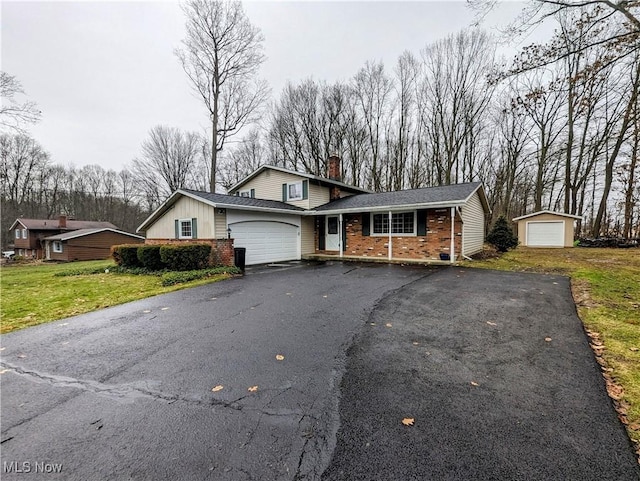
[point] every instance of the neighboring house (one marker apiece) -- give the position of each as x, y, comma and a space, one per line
86, 244
278, 215
29, 234
546, 229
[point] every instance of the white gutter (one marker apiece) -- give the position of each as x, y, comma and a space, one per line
386, 208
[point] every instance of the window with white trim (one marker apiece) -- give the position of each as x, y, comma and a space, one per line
57, 246
402, 223
185, 229
18, 233
294, 191
24, 233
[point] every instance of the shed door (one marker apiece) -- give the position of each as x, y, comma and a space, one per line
266, 241
545, 234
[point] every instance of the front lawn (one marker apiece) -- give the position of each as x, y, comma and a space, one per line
606, 289
33, 294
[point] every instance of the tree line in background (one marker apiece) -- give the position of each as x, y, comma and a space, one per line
557, 128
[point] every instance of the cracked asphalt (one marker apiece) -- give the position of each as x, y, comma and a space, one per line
126, 392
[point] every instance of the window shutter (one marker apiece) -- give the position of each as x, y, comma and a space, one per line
177, 229
194, 228
422, 222
321, 233
237, 193
284, 192
253, 193
344, 235
305, 189
366, 223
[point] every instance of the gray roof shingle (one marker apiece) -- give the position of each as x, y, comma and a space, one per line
242, 201
427, 195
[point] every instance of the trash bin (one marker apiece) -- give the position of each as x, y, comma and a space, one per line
239, 255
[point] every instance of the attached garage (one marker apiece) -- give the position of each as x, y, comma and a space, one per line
546, 229
267, 237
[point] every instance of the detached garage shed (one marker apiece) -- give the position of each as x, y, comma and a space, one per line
546, 229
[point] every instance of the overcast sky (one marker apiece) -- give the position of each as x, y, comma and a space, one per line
104, 73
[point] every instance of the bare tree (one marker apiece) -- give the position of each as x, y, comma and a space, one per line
14, 114
221, 55
168, 162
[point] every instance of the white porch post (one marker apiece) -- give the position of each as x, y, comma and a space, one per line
390, 240
340, 246
453, 234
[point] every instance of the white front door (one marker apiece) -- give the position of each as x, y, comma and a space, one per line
332, 240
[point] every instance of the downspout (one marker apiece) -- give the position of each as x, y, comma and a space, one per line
453, 233
390, 245
340, 246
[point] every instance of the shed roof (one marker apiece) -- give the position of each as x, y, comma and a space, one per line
547, 212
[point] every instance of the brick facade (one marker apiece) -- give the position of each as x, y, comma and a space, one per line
428, 247
221, 249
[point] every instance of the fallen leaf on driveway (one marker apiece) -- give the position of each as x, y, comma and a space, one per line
388, 324
288, 293
164, 308
279, 357
219, 387
147, 311
253, 389
3, 371
473, 383
415, 343
325, 296
548, 339
21, 356
372, 323
408, 421
2, 348
64, 324
491, 323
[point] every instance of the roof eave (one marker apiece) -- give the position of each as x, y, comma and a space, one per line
392, 208
548, 212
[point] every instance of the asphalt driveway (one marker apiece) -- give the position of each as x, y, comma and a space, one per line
126, 393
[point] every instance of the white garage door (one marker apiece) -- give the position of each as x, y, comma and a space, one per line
266, 241
545, 234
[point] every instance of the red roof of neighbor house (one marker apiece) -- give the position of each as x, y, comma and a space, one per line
54, 224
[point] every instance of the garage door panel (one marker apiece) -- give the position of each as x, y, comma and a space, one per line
545, 234
266, 241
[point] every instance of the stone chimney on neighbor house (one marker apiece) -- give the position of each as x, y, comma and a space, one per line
62, 222
333, 173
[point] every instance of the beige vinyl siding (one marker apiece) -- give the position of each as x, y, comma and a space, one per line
318, 195
220, 222
307, 241
473, 226
184, 208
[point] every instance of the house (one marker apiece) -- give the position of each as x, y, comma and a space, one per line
546, 229
279, 214
86, 244
30, 234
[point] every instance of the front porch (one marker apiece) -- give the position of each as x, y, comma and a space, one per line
326, 256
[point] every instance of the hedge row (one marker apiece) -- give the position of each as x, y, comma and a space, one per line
175, 257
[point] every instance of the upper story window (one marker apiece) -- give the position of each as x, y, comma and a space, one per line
245, 193
402, 223
294, 191
18, 233
185, 229
24, 233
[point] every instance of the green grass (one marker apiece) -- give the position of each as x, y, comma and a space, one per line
33, 294
606, 288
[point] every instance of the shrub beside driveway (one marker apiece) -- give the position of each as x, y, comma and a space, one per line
33, 294
606, 288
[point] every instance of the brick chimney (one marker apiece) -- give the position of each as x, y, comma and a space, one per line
333, 173
62, 222
333, 168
